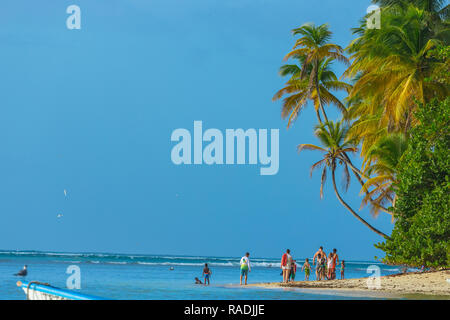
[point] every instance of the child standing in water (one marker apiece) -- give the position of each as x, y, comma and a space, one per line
293, 271
307, 268
206, 273
342, 269
329, 266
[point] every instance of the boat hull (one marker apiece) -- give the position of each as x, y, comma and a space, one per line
35, 290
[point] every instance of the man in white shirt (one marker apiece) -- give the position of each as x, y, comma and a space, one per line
245, 267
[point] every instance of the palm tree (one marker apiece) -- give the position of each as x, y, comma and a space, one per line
432, 6
312, 49
382, 160
392, 67
368, 122
298, 91
436, 14
333, 137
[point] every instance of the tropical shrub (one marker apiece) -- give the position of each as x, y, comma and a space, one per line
421, 235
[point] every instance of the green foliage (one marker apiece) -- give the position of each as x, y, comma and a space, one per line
442, 74
421, 235
396, 72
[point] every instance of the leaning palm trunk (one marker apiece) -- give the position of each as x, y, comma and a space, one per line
351, 210
358, 175
318, 116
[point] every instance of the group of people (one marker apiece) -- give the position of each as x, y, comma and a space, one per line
325, 267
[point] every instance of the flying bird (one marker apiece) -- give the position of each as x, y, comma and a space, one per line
23, 272
65, 192
59, 215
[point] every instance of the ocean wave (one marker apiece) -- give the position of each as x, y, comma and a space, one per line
166, 260
199, 264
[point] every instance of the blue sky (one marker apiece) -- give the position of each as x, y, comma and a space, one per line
92, 111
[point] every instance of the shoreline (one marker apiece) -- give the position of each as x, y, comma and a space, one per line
414, 285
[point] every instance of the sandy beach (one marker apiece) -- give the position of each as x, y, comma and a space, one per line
433, 284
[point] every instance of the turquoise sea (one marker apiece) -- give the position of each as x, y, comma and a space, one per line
125, 276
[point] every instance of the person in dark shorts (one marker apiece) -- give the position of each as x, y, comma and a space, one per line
320, 269
316, 256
